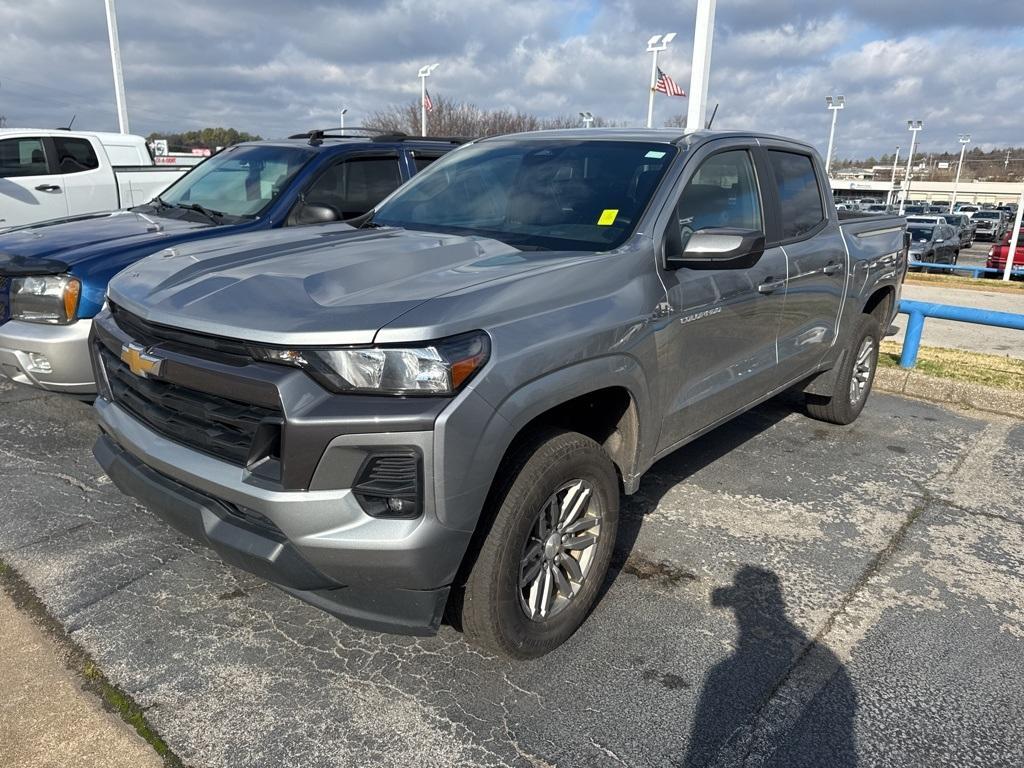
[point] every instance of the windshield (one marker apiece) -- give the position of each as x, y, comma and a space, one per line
920, 234
533, 194
988, 215
956, 221
240, 181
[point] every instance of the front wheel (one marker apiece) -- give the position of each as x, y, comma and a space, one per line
541, 566
853, 380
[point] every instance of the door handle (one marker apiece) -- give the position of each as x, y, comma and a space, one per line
48, 188
771, 286
831, 269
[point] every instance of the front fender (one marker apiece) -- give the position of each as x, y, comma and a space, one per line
471, 439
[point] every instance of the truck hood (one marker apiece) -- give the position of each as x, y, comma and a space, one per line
314, 285
55, 246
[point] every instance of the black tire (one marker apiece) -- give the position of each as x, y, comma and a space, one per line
494, 613
839, 405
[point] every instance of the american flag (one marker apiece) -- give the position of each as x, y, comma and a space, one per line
427, 103
667, 85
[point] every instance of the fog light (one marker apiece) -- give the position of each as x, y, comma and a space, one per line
38, 363
398, 506
390, 484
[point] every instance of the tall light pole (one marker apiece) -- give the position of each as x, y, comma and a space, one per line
834, 105
965, 139
115, 60
1014, 239
425, 72
587, 118
700, 69
655, 45
913, 126
892, 182
344, 110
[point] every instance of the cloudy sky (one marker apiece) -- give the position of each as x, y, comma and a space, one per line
274, 67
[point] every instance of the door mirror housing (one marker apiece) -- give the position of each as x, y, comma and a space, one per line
715, 248
313, 213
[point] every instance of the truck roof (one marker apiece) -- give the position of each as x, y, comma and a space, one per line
656, 135
105, 137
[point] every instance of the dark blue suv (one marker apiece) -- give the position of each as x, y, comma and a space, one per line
53, 275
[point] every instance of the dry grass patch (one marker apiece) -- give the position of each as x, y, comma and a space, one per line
990, 370
958, 281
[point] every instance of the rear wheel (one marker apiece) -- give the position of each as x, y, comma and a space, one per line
853, 379
541, 566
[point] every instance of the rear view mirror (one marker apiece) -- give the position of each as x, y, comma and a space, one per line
717, 248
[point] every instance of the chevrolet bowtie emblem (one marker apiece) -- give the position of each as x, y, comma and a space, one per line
139, 362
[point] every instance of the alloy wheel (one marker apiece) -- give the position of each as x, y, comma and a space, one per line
559, 551
862, 370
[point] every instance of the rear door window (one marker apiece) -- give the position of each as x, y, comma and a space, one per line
798, 191
75, 155
421, 160
22, 157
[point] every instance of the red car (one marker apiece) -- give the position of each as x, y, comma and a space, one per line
998, 252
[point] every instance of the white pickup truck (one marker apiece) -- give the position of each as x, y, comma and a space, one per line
52, 174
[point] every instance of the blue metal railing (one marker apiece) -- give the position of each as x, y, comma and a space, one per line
919, 310
975, 271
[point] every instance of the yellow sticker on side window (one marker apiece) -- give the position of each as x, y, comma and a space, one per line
607, 217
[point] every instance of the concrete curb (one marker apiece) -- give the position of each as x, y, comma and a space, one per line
938, 390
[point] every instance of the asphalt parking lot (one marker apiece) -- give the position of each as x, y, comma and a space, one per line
787, 593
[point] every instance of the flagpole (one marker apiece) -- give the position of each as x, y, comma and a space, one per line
650, 98
654, 45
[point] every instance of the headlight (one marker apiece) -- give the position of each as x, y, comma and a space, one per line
45, 299
435, 368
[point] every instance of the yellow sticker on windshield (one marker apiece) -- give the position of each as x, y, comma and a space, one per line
607, 217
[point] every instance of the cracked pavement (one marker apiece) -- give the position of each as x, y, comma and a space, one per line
786, 593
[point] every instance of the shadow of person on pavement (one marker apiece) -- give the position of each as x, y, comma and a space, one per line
779, 699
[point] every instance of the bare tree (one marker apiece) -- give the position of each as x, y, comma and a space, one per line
676, 121
460, 118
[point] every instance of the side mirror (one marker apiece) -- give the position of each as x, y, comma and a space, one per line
313, 213
716, 248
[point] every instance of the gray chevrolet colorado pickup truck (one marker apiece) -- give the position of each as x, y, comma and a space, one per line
439, 406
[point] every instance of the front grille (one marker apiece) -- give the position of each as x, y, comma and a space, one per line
227, 429
5, 299
202, 345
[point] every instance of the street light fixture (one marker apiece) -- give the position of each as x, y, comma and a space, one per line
965, 139
655, 45
834, 104
344, 110
588, 119
424, 73
913, 126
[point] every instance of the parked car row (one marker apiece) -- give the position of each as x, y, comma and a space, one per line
402, 404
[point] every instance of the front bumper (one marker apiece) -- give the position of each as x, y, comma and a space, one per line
65, 347
383, 574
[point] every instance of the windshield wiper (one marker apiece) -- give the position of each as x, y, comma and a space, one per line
161, 203
215, 216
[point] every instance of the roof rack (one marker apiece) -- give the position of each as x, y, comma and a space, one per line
407, 137
317, 135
